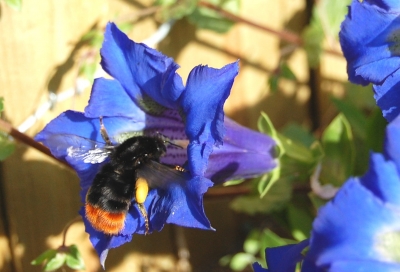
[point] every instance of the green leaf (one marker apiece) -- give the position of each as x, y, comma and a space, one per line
355, 117
252, 243
296, 150
316, 200
74, 259
240, 260
15, 4
174, 9
1, 104
300, 222
331, 14
88, 69
286, 72
233, 182
7, 146
278, 195
312, 37
270, 239
338, 145
56, 262
93, 37
266, 181
273, 82
48, 254
376, 125
209, 19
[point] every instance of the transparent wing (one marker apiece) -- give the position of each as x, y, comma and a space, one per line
79, 148
159, 175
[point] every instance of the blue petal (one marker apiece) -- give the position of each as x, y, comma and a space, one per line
392, 143
364, 266
244, 154
285, 258
387, 96
388, 5
258, 268
382, 179
202, 103
142, 71
347, 227
108, 98
370, 48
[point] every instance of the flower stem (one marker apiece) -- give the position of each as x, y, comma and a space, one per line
22, 137
283, 35
66, 228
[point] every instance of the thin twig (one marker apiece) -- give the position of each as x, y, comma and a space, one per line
66, 228
283, 35
23, 138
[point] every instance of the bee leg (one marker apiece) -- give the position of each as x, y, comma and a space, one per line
143, 211
104, 133
180, 168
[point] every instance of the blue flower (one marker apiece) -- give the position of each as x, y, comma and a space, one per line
359, 230
370, 40
147, 96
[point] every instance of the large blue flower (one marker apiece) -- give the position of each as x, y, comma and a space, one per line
147, 96
370, 39
359, 230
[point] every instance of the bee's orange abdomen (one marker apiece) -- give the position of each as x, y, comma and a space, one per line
106, 222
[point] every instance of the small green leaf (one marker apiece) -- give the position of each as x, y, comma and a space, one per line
252, 243
355, 117
1, 104
270, 239
233, 182
88, 69
7, 146
312, 36
56, 262
338, 145
240, 260
300, 222
278, 195
376, 125
273, 83
286, 72
15, 4
266, 181
174, 9
48, 254
74, 259
210, 19
316, 200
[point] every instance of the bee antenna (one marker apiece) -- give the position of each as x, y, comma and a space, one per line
165, 139
104, 133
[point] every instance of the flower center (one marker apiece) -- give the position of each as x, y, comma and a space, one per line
388, 245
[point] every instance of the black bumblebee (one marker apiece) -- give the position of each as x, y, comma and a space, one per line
133, 166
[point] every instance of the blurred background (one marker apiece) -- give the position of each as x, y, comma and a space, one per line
290, 68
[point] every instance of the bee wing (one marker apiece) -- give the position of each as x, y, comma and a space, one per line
79, 148
159, 175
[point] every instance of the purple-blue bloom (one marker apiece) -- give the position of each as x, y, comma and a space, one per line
148, 96
360, 227
370, 37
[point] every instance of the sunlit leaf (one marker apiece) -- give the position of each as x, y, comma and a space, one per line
300, 222
15, 4
175, 9
74, 259
7, 146
209, 19
240, 260
56, 262
355, 117
279, 194
1, 104
338, 145
48, 254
